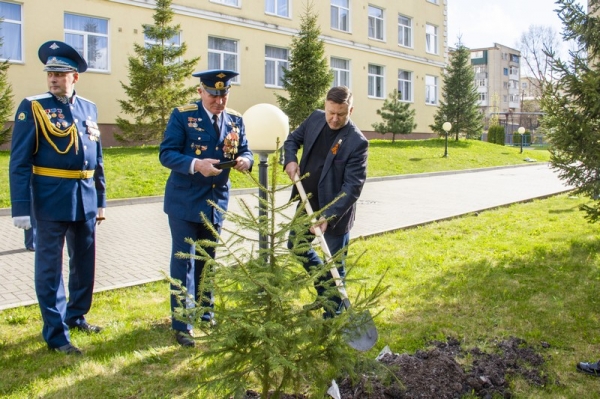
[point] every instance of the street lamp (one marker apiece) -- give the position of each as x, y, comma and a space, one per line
265, 124
446, 126
521, 130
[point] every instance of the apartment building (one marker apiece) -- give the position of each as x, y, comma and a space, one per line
372, 47
497, 78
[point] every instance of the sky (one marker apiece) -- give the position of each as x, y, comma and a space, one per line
485, 22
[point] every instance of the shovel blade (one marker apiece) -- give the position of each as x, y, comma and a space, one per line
361, 333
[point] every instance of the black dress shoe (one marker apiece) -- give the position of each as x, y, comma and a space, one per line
86, 327
589, 368
185, 339
67, 349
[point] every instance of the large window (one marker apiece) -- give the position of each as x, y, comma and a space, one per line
405, 85
11, 29
341, 72
281, 8
431, 39
376, 23
276, 59
375, 81
223, 54
89, 36
431, 90
404, 31
235, 3
340, 15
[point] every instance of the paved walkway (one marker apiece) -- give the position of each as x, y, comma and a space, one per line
134, 243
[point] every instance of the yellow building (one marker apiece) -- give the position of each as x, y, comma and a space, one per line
373, 47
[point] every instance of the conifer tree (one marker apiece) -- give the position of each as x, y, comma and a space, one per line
157, 76
397, 117
459, 98
308, 77
265, 338
6, 97
570, 104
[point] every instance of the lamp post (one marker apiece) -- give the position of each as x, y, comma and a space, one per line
264, 123
446, 126
521, 130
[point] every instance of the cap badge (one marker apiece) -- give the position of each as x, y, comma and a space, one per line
54, 46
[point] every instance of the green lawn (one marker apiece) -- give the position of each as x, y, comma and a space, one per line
137, 172
528, 270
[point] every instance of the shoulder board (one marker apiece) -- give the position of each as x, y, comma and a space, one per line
232, 112
39, 97
85, 99
188, 107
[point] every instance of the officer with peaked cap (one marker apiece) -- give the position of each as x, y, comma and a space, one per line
56, 148
197, 137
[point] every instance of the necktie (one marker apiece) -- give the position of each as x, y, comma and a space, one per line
216, 124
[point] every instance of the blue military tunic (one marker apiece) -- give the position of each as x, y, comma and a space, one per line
57, 199
190, 134
56, 148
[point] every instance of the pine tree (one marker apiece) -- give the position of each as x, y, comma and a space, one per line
459, 98
157, 77
570, 104
397, 115
6, 97
265, 338
308, 77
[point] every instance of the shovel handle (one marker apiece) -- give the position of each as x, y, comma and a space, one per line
333, 270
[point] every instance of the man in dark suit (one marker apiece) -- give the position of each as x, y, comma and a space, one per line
197, 137
335, 158
57, 177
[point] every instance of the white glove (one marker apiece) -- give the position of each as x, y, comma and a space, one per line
100, 217
22, 222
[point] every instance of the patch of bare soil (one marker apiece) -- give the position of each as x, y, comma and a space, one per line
437, 374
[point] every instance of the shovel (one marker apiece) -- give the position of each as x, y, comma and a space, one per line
361, 333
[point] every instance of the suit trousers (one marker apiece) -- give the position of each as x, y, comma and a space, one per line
324, 282
57, 313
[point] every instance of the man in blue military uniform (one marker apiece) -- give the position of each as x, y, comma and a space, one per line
57, 177
197, 137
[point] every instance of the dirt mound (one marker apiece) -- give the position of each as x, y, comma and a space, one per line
436, 373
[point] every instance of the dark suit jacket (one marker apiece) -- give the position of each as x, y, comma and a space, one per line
344, 171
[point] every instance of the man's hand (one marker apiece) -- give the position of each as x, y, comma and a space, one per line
100, 217
321, 223
292, 170
22, 222
205, 166
243, 164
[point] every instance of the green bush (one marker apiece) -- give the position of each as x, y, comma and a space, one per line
496, 134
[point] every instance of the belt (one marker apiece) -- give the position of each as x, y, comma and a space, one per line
64, 173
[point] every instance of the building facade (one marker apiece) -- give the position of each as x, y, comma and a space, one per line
497, 79
373, 47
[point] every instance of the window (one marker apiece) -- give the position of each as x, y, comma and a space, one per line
89, 36
405, 85
505, 85
375, 81
375, 23
235, 3
404, 31
276, 59
505, 98
172, 41
514, 70
223, 54
482, 96
341, 72
524, 85
11, 31
281, 8
340, 15
476, 54
481, 82
431, 90
431, 39
514, 58
505, 71
433, 1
